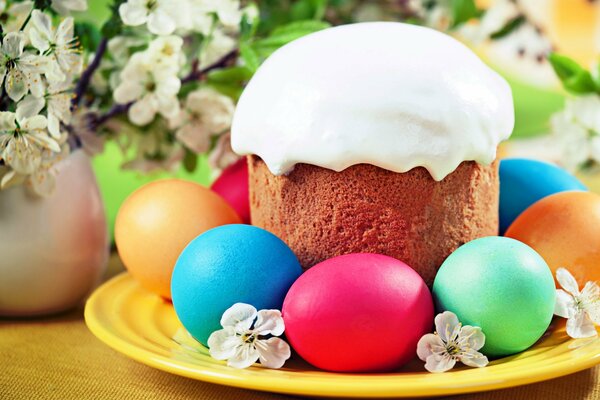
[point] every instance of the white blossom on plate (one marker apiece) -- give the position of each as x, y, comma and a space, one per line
206, 113
152, 88
581, 308
241, 341
577, 130
19, 70
59, 46
161, 17
22, 140
64, 7
450, 343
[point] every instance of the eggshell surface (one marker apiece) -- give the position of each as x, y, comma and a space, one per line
158, 220
525, 181
565, 229
502, 286
358, 312
227, 265
232, 185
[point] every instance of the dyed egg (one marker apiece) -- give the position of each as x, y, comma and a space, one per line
358, 312
502, 286
524, 181
227, 265
565, 229
232, 185
158, 220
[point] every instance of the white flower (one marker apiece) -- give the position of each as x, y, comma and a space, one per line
161, 16
165, 53
206, 113
450, 343
60, 46
14, 15
582, 309
240, 341
228, 11
19, 71
218, 45
58, 103
577, 128
152, 87
22, 139
43, 180
63, 7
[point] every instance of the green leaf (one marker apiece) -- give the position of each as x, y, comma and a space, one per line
320, 6
190, 160
301, 9
290, 32
230, 75
249, 56
42, 4
114, 25
509, 27
300, 26
232, 90
462, 11
248, 27
572, 75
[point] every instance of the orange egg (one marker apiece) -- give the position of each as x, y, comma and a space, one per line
565, 229
158, 220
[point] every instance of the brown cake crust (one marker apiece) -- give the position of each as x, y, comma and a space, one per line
321, 213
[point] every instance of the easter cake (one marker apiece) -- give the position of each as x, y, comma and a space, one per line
374, 137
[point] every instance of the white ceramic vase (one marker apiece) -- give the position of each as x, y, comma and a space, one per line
54, 250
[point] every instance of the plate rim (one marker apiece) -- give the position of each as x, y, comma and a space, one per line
283, 386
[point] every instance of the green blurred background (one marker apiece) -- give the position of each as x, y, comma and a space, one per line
533, 107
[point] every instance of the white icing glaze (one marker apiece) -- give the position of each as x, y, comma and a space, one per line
393, 95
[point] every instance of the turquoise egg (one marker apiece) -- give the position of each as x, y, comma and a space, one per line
524, 181
502, 286
227, 265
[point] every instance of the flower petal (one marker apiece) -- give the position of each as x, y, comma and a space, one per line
7, 121
240, 317
223, 344
446, 325
161, 23
580, 326
567, 281
428, 345
245, 356
16, 84
472, 336
142, 112
273, 352
269, 322
133, 13
64, 32
565, 304
194, 136
439, 363
42, 23
473, 358
13, 45
29, 106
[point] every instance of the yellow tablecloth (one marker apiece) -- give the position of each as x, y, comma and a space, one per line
58, 358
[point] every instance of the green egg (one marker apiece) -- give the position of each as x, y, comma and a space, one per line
502, 286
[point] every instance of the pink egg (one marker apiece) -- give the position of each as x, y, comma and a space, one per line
358, 312
232, 185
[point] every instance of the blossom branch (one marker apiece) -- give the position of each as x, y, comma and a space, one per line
199, 74
86, 77
195, 75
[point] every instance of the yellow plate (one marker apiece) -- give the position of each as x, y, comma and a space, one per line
144, 327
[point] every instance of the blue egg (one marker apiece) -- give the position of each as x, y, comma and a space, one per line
524, 181
227, 265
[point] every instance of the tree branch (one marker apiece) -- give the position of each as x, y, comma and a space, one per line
86, 77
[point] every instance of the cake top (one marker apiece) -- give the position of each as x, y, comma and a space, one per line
393, 95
